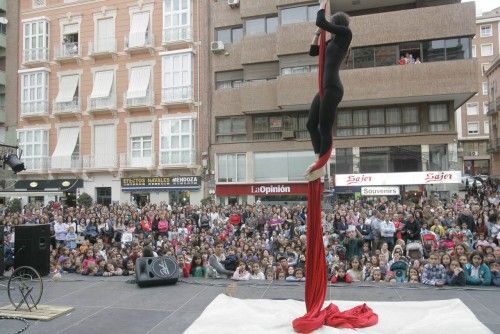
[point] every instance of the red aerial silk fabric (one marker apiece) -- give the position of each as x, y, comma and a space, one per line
316, 276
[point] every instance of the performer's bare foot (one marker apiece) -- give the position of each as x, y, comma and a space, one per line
311, 176
310, 168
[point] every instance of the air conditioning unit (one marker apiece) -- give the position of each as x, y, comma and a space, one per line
475, 153
233, 3
217, 46
287, 134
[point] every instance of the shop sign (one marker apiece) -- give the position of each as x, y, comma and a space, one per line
164, 182
379, 191
382, 179
261, 189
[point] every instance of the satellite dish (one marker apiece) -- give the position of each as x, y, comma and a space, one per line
3, 20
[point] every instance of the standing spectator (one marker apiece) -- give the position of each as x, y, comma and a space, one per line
71, 238
60, 230
411, 229
387, 230
353, 243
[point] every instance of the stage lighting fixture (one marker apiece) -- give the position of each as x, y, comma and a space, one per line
14, 163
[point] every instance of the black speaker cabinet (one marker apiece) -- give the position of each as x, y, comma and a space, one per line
32, 247
151, 271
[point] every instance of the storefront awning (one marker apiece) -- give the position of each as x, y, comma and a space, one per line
48, 185
66, 143
103, 81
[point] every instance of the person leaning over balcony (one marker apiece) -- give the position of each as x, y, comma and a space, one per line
323, 109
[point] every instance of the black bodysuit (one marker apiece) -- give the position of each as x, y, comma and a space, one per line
323, 110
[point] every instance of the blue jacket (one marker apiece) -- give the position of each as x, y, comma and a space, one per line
484, 275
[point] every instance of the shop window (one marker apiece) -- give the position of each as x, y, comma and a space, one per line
103, 195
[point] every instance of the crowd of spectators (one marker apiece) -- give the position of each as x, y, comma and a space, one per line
433, 242
409, 59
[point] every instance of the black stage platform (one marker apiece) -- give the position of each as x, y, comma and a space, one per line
113, 305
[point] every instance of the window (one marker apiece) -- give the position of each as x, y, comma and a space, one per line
35, 147
139, 34
262, 25
261, 71
105, 35
103, 93
291, 165
486, 127
343, 161
485, 87
449, 49
36, 41
103, 195
473, 128
104, 146
34, 96
67, 151
438, 118
176, 20
485, 107
390, 159
140, 144
434, 50
38, 3
385, 55
472, 108
486, 31
70, 40
177, 141
486, 50
229, 35
299, 14
139, 92
176, 80
363, 57
231, 167
271, 127
485, 67
67, 99
231, 129
299, 69
473, 51
438, 157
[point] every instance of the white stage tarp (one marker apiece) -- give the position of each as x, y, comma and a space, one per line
249, 316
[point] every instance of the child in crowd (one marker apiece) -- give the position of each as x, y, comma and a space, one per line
71, 238
256, 272
241, 273
341, 276
455, 274
197, 268
356, 271
434, 272
476, 272
89, 263
495, 273
376, 275
413, 276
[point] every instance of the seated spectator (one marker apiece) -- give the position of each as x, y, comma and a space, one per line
215, 261
256, 272
197, 267
376, 275
356, 271
434, 272
341, 276
455, 274
241, 273
495, 273
413, 276
476, 272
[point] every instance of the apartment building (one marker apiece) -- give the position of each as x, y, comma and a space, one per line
394, 119
111, 101
473, 125
493, 76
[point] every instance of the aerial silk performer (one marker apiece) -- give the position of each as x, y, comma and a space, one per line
320, 124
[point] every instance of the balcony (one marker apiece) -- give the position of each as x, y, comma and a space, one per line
455, 80
65, 164
128, 162
250, 8
101, 104
223, 15
3, 115
37, 56
131, 101
259, 96
177, 95
258, 49
3, 79
68, 52
228, 60
36, 165
177, 35
294, 38
66, 108
102, 48
137, 43
34, 109
3, 40
226, 102
100, 162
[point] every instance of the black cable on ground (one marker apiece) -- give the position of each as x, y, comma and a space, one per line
26, 323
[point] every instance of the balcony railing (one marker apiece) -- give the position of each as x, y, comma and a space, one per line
73, 162
35, 55
177, 34
104, 161
102, 46
101, 103
130, 99
36, 164
182, 94
139, 41
127, 161
37, 108
67, 107
67, 51
171, 158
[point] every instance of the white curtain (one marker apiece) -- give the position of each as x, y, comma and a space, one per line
104, 145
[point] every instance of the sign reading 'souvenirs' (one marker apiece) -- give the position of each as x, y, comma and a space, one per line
163, 182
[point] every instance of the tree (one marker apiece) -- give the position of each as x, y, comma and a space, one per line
15, 205
85, 200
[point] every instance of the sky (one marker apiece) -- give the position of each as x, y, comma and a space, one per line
484, 5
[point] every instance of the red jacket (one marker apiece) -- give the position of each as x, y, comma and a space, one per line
347, 279
234, 219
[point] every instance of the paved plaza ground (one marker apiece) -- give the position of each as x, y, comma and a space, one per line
113, 305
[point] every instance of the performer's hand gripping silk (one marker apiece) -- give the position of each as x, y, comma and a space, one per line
324, 108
